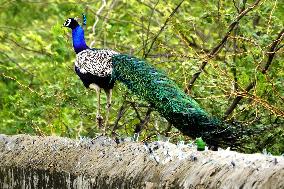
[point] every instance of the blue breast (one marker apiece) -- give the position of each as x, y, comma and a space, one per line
79, 43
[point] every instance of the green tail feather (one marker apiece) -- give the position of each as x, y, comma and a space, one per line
169, 100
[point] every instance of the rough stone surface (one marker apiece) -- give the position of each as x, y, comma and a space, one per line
55, 162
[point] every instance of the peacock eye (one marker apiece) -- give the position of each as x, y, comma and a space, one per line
67, 22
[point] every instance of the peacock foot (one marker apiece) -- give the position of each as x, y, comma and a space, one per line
99, 120
99, 117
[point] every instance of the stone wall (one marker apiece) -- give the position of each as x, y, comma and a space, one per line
55, 162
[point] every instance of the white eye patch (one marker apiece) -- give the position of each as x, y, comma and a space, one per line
67, 22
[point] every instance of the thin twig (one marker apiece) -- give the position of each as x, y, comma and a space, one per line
146, 119
152, 8
97, 20
148, 30
28, 49
136, 110
144, 122
123, 108
15, 62
236, 6
219, 46
162, 28
251, 85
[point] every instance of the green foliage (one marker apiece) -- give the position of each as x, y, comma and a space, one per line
40, 94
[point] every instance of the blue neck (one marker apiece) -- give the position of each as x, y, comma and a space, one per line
79, 43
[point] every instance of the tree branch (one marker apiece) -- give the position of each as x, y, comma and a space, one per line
219, 46
162, 28
25, 70
121, 111
144, 122
97, 20
152, 8
271, 55
28, 49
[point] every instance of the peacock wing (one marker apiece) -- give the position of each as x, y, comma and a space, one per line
95, 61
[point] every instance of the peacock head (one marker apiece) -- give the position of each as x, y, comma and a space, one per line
71, 23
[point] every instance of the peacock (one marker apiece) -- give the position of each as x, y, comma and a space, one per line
101, 68
93, 66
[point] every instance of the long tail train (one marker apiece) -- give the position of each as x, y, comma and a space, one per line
171, 102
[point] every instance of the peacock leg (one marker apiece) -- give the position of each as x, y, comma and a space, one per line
108, 106
98, 116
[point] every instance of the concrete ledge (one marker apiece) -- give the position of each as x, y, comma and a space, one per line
55, 162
